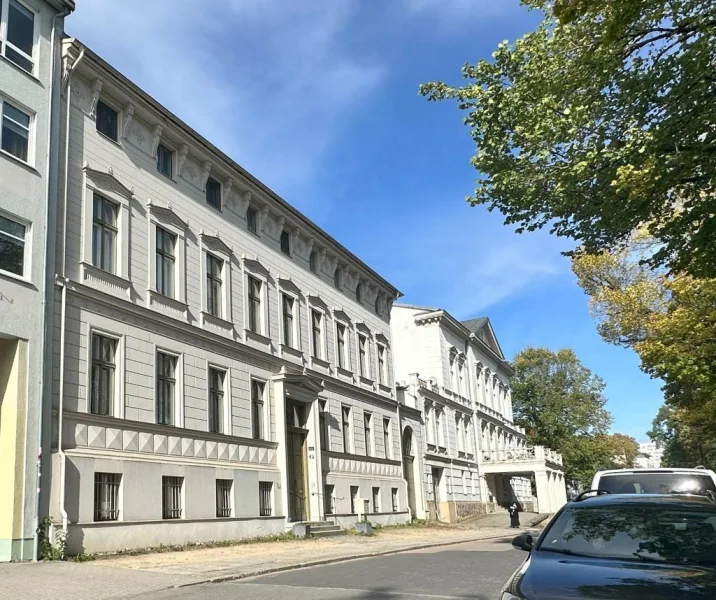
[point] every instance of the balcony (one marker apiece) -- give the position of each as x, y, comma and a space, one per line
522, 455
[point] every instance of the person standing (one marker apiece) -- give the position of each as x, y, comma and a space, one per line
514, 511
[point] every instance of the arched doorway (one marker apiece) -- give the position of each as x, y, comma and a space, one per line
409, 469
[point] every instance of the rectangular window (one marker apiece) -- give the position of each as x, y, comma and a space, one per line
214, 269
287, 308
286, 242
216, 400
172, 497
317, 333
19, 34
265, 498
165, 262
15, 132
107, 120
354, 499
213, 193
223, 497
376, 499
329, 499
103, 368
254, 305
394, 497
252, 220
341, 343
368, 431
257, 409
386, 439
166, 388
12, 246
165, 160
323, 425
104, 234
313, 262
346, 427
381, 365
362, 357
106, 496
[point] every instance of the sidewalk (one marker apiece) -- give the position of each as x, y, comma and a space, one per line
126, 576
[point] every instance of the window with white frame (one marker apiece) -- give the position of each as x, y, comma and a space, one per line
341, 346
213, 193
394, 498
346, 429
363, 356
252, 220
166, 267
106, 496
214, 285
102, 378
13, 239
286, 242
329, 498
288, 316
166, 388
15, 131
216, 400
165, 260
265, 498
387, 443
313, 261
172, 497
223, 497
255, 305
257, 409
107, 120
17, 29
338, 278
460, 433
440, 423
104, 234
368, 433
317, 334
376, 499
467, 425
461, 377
323, 425
453, 374
165, 160
382, 365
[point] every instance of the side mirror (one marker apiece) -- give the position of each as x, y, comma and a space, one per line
523, 542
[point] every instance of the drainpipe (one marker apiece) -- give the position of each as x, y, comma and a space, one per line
45, 288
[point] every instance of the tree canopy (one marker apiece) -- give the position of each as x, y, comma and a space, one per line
599, 122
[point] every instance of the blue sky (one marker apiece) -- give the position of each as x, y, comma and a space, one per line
319, 100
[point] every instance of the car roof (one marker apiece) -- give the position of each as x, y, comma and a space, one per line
692, 471
660, 500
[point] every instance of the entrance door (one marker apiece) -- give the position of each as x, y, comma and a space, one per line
408, 469
436, 477
297, 489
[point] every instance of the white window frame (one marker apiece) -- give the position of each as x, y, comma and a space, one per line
382, 374
367, 375
27, 253
346, 345
119, 370
213, 246
389, 449
369, 433
265, 413
173, 163
226, 425
296, 320
166, 218
35, 36
30, 161
178, 385
351, 437
323, 358
120, 118
260, 273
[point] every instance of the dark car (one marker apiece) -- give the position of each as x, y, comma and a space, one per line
621, 546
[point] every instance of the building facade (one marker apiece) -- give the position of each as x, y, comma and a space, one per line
463, 453
650, 455
223, 367
30, 35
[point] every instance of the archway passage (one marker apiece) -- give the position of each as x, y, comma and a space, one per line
409, 468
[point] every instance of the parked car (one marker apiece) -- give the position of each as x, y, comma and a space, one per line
656, 481
627, 547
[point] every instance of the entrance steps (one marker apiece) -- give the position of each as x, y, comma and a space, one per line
319, 529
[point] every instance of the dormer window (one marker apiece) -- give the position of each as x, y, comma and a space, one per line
252, 220
286, 242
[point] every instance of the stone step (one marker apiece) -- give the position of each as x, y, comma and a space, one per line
327, 532
327, 527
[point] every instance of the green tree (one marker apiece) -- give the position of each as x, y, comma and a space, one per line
600, 121
685, 443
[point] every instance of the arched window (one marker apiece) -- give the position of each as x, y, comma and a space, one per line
313, 261
359, 292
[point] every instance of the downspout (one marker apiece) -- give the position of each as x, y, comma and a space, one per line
45, 288
62, 280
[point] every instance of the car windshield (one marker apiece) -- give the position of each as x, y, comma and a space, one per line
657, 483
636, 532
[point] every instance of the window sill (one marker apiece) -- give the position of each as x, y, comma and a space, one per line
156, 300
345, 372
17, 67
18, 278
109, 139
18, 161
319, 362
291, 351
108, 282
217, 322
366, 380
256, 337
385, 388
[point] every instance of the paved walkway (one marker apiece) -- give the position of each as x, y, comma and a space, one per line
127, 576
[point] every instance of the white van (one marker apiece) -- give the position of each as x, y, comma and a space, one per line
657, 481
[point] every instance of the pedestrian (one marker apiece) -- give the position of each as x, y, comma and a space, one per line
514, 511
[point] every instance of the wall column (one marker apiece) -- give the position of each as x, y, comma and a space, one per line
542, 485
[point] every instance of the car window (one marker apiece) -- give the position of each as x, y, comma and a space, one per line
657, 483
636, 533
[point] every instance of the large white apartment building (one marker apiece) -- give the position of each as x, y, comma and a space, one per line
223, 367
463, 453
30, 35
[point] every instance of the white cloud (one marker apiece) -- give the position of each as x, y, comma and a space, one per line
267, 81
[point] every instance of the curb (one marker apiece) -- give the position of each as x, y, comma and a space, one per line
330, 561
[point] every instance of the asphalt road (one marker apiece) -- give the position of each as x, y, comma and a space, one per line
471, 570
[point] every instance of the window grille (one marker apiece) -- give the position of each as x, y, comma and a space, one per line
106, 496
171, 497
223, 497
265, 492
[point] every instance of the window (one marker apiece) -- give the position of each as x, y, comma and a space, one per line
441, 430
430, 424
346, 427
287, 303
213, 193
382, 376
12, 246
104, 234
257, 409
15, 132
223, 497
338, 278
317, 333
172, 497
252, 220
387, 446
329, 499
286, 242
341, 345
362, 359
368, 431
464, 483
359, 292
354, 499
214, 268
164, 160
313, 261
323, 424
103, 367
19, 38
106, 496
461, 378
460, 433
165, 262
467, 426
377, 305
376, 499
216, 399
265, 500
107, 120
254, 305
394, 496
166, 386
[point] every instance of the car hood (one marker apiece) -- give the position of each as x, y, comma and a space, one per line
552, 576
